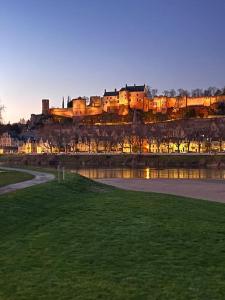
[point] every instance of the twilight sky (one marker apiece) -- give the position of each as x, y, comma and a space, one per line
55, 48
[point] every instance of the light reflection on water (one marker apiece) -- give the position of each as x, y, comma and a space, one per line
150, 173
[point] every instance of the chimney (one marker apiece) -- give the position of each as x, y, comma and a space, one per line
126, 85
115, 90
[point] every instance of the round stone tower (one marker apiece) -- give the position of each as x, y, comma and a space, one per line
79, 106
45, 106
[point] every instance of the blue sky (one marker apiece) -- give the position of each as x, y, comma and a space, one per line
51, 48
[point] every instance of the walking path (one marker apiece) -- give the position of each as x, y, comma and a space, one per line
212, 190
40, 177
209, 189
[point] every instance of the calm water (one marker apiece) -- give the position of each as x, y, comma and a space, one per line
149, 173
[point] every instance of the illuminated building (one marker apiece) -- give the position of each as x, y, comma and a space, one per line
135, 97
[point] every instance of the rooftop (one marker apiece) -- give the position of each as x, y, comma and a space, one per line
114, 93
129, 88
134, 88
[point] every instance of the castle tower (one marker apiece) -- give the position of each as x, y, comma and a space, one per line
79, 106
45, 106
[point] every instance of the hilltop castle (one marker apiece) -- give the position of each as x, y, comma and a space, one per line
134, 97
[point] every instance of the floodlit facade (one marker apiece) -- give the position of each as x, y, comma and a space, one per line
102, 146
8, 144
134, 97
34, 147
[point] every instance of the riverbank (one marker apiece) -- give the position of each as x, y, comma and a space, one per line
83, 238
118, 160
212, 190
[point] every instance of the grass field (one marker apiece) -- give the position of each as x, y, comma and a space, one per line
82, 240
8, 177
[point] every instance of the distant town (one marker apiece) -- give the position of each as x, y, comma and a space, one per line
133, 119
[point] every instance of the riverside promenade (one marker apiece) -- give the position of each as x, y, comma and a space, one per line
208, 189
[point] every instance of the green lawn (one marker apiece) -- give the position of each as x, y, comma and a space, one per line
8, 177
82, 240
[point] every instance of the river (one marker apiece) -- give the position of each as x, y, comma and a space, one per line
151, 173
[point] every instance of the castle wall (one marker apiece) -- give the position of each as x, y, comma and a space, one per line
136, 100
171, 102
146, 104
159, 104
61, 112
162, 103
95, 101
197, 101
121, 101
151, 104
124, 98
123, 110
219, 99
91, 111
110, 103
181, 102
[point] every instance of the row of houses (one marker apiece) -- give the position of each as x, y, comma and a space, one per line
11, 145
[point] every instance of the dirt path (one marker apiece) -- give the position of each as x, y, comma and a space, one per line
212, 190
40, 177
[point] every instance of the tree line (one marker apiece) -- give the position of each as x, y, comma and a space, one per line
198, 92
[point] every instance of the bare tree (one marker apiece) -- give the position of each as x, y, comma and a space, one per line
223, 90
120, 137
172, 93
130, 138
74, 141
140, 134
149, 138
197, 92
97, 139
211, 91
153, 93
1, 112
178, 137
148, 91
157, 137
166, 93
182, 93
218, 92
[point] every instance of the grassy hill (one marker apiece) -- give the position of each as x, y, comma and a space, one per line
83, 240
